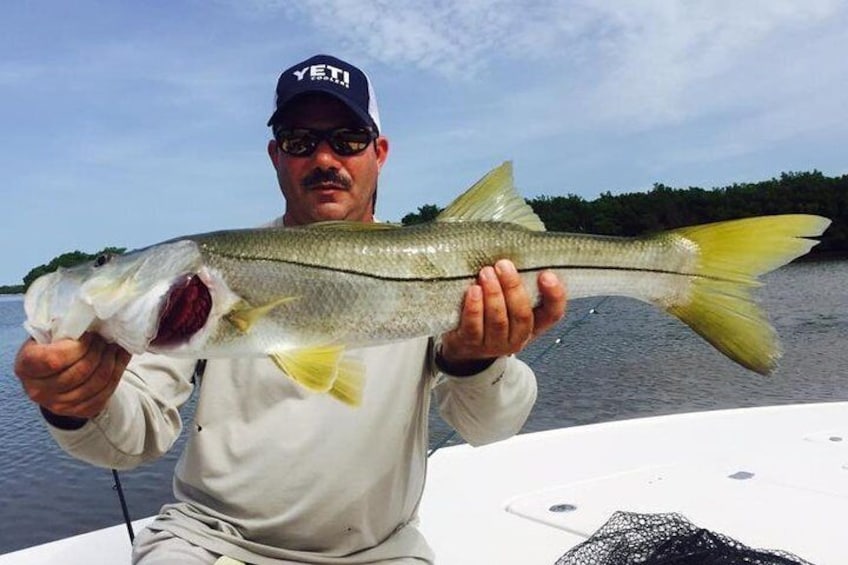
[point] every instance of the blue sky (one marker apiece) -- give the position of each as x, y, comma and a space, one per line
127, 123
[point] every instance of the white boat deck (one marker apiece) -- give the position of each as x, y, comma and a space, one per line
772, 478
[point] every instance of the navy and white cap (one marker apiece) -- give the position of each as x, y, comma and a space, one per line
323, 73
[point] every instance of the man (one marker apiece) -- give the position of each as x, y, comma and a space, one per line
272, 473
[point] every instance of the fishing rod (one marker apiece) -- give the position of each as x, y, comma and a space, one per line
117, 486
196, 377
594, 310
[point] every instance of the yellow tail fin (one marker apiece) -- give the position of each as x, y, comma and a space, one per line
731, 255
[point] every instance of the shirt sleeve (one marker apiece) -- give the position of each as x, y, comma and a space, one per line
491, 405
141, 420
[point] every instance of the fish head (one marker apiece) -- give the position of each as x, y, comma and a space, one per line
153, 295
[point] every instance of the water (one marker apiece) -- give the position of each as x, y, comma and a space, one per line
625, 361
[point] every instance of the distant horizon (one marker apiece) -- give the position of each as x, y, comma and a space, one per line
826, 254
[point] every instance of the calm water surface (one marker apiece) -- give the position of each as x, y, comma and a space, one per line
626, 360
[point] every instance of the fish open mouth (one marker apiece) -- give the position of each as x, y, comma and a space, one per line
185, 311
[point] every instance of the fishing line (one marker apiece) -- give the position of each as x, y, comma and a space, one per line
594, 310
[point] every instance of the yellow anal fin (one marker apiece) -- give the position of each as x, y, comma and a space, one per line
349, 382
323, 369
243, 316
316, 368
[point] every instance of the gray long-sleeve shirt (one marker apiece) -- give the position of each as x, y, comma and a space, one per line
272, 473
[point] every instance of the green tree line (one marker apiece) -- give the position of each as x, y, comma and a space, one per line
664, 208
64, 260
11, 288
637, 213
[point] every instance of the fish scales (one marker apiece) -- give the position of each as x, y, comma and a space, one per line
382, 285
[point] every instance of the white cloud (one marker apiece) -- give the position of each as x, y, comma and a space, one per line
453, 39
678, 39
618, 64
672, 62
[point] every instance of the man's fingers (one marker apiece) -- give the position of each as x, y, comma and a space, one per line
80, 385
470, 328
124, 357
99, 380
99, 388
495, 317
50, 390
553, 302
518, 307
93, 392
95, 405
35, 360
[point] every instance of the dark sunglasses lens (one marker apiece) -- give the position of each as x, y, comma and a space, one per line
297, 142
350, 142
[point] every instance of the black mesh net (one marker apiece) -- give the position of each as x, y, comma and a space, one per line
666, 539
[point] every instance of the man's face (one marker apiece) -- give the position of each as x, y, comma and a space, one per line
325, 185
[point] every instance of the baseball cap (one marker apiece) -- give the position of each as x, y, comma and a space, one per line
327, 74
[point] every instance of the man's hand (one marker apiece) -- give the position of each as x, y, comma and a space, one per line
71, 378
498, 318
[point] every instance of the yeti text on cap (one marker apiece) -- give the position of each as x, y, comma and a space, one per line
325, 72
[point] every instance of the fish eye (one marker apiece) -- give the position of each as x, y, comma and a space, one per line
102, 260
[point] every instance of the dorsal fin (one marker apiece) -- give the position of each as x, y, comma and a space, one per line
493, 199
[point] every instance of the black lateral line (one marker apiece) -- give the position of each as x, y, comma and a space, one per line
466, 276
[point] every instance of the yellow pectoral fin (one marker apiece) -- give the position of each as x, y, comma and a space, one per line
243, 316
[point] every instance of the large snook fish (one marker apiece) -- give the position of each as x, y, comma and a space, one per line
303, 295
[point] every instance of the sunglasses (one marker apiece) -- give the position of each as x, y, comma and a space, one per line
301, 142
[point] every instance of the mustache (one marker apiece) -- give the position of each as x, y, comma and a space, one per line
329, 176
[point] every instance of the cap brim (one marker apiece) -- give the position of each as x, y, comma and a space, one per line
320, 89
